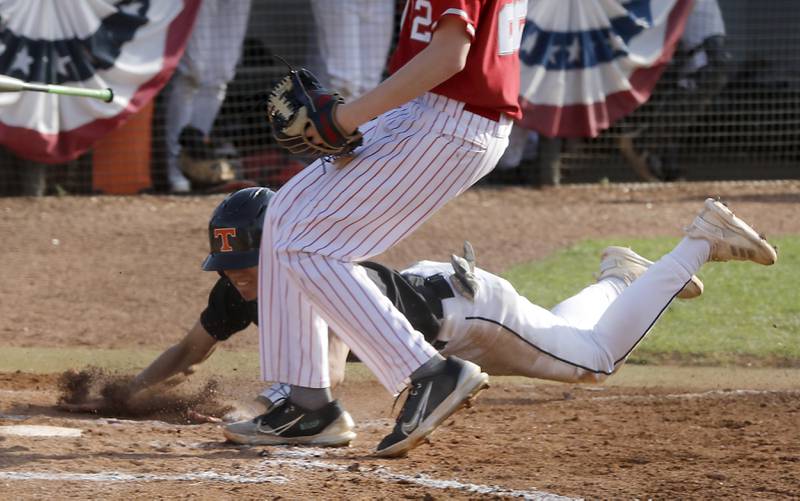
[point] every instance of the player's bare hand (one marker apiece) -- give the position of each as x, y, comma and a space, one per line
313, 135
195, 417
93, 405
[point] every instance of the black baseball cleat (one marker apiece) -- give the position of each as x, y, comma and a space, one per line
430, 401
289, 424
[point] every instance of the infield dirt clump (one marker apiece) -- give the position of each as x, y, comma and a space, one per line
104, 393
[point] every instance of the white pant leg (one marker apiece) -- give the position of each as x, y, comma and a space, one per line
278, 293
414, 160
507, 334
338, 34
704, 21
188, 104
628, 319
375, 39
214, 48
585, 308
180, 101
207, 102
337, 358
197, 90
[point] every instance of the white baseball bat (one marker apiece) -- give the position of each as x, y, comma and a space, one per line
10, 84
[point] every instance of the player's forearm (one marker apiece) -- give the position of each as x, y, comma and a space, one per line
443, 58
195, 347
174, 360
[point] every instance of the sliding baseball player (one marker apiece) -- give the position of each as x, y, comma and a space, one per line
463, 310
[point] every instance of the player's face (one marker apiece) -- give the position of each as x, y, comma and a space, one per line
245, 281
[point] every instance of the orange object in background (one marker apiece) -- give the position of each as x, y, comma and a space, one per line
121, 160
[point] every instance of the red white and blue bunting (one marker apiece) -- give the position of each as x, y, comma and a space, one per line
587, 63
132, 46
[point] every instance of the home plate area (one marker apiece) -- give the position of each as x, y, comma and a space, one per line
180, 463
521, 440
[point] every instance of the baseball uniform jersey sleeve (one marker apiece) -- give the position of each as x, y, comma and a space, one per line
227, 312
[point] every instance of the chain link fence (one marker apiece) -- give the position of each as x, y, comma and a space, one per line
727, 107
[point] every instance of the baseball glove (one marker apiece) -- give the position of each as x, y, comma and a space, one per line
299, 101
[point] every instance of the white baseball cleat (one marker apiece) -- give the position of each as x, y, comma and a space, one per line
625, 264
290, 424
730, 237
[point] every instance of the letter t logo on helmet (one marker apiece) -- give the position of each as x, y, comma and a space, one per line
224, 234
234, 231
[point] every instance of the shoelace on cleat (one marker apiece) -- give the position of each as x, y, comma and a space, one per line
413, 391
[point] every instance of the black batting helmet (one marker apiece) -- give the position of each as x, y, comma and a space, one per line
234, 232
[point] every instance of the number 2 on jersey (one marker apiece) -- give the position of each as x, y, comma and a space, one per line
510, 22
421, 25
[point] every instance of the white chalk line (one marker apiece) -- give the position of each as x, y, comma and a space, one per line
303, 459
300, 458
698, 395
117, 476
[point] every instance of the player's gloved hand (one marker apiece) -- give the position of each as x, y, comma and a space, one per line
302, 115
463, 279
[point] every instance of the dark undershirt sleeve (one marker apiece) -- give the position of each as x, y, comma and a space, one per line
227, 312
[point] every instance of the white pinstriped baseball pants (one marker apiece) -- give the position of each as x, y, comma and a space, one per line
414, 159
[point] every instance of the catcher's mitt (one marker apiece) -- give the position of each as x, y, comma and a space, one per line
300, 101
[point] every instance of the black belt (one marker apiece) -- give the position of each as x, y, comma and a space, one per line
436, 288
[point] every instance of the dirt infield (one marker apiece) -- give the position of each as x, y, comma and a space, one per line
523, 439
124, 273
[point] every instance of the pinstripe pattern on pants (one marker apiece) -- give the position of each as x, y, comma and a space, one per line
414, 160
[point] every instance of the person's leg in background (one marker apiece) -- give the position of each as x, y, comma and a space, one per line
198, 89
33, 177
21, 177
376, 37
180, 98
338, 27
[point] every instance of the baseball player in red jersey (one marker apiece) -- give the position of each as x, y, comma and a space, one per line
443, 119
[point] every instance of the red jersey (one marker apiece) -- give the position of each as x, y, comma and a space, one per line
489, 83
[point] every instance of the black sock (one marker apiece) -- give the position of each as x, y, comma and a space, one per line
310, 398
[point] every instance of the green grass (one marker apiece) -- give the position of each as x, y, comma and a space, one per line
748, 313
48, 359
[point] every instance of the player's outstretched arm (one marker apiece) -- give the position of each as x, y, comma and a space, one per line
178, 360
445, 56
176, 363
